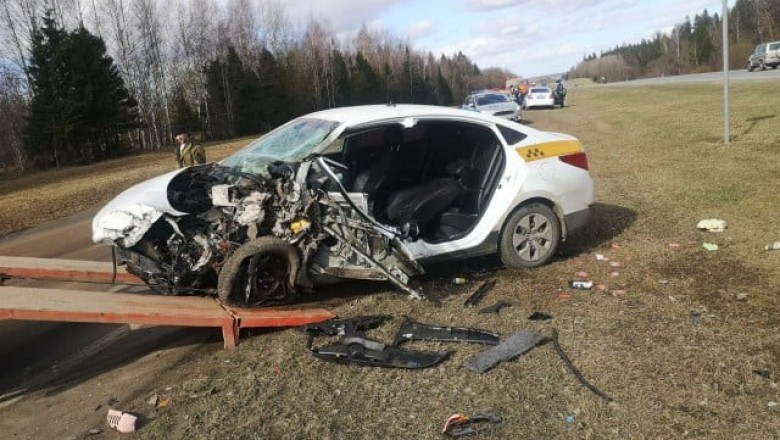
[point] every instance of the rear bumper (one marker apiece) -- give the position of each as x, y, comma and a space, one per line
577, 220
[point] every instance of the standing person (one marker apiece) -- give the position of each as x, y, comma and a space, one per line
187, 152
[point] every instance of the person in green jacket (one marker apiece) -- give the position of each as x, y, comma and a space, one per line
187, 152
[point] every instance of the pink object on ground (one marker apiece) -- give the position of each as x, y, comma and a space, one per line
122, 422
602, 287
581, 274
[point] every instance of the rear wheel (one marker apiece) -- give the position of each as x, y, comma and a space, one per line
530, 237
761, 65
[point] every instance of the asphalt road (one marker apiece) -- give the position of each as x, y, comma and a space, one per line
711, 77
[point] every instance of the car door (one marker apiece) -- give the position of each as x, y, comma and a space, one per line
480, 240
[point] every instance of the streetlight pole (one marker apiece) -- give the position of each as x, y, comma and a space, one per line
726, 135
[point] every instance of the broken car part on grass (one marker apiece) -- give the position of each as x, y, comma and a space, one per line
458, 425
353, 347
495, 308
480, 293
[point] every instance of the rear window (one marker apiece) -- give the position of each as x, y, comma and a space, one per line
540, 90
774, 46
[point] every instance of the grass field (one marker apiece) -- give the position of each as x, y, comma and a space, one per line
660, 166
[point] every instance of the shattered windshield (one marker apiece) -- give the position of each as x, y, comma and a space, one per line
288, 143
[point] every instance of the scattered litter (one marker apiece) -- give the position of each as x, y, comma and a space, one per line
165, 402
742, 296
458, 425
495, 308
153, 400
695, 318
710, 246
671, 298
574, 369
94, 431
601, 257
766, 374
663, 281
674, 245
459, 281
121, 421
348, 326
517, 344
411, 330
711, 225
581, 274
618, 292
772, 246
539, 316
602, 287
771, 404
615, 264
614, 274
581, 285
570, 419
563, 296
480, 293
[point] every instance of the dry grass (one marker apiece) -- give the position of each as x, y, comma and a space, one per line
659, 166
38, 197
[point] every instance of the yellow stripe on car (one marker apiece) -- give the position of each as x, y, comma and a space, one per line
549, 149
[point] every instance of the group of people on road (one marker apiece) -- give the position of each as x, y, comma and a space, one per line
520, 91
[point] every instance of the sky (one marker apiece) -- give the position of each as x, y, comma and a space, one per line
527, 37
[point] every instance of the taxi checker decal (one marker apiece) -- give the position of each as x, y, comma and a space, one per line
549, 149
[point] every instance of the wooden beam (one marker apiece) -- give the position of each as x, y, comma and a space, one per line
68, 270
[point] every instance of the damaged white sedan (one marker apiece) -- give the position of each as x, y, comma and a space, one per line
370, 192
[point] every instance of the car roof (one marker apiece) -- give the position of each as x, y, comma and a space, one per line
363, 114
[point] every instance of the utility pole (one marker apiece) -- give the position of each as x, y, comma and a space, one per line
726, 135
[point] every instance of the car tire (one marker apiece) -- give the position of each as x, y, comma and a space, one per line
234, 275
762, 66
530, 237
750, 67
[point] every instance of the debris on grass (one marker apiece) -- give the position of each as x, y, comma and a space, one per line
459, 281
601, 257
581, 284
742, 296
458, 425
766, 374
712, 247
495, 308
514, 346
121, 421
480, 293
712, 225
695, 318
539, 316
565, 358
772, 246
615, 264
581, 274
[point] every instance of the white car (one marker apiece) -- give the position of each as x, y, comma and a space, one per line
539, 97
497, 104
369, 192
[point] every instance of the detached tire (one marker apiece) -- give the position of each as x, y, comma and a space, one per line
260, 271
530, 237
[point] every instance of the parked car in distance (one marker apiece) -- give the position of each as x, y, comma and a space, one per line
765, 55
370, 192
539, 97
497, 104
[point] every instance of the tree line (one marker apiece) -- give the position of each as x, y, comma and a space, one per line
693, 46
86, 80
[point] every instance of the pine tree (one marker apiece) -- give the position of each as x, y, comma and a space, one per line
81, 110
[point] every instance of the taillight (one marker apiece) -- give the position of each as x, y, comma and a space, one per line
579, 160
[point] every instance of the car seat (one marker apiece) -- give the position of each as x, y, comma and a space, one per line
422, 203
